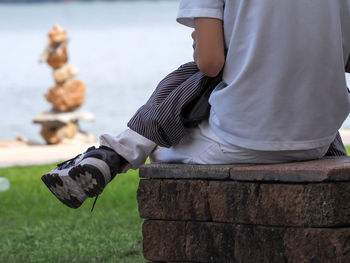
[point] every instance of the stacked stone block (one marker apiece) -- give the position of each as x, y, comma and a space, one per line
295, 212
66, 96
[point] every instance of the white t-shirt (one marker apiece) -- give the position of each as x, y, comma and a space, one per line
284, 83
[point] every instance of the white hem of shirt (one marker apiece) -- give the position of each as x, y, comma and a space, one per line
186, 16
271, 145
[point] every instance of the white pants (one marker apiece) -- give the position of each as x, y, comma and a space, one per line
199, 146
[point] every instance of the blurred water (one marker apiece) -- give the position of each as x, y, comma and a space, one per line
122, 50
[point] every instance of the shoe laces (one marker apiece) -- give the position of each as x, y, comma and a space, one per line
93, 205
67, 162
71, 161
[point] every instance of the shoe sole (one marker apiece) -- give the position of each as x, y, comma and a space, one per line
83, 176
89, 178
61, 192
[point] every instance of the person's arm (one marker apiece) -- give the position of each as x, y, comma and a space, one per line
209, 53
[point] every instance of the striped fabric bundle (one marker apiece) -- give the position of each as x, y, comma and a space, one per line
174, 104
163, 118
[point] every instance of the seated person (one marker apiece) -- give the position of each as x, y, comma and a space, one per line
283, 96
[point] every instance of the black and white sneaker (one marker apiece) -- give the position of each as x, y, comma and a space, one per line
86, 175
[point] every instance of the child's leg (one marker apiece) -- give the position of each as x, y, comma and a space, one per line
202, 146
86, 175
132, 146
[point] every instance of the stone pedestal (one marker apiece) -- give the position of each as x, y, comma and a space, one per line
295, 212
57, 127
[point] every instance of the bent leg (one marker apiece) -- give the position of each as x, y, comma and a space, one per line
130, 145
87, 174
202, 146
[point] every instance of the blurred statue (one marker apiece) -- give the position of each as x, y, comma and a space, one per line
61, 123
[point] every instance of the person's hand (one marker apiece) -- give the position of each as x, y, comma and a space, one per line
193, 35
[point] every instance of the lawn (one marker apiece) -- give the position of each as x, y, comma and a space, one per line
36, 227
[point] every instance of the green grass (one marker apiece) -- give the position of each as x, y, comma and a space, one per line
36, 227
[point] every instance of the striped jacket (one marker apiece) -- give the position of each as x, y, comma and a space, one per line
181, 100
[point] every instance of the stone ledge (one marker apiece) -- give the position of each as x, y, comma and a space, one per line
185, 171
334, 169
172, 241
312, 205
